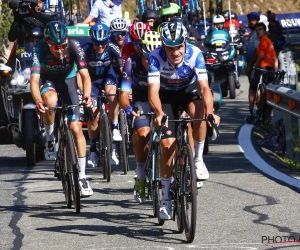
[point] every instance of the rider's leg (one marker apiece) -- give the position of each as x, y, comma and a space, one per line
49, 97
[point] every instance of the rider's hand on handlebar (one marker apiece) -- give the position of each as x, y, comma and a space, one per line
40, 107
157, 121
216, 118
88, 101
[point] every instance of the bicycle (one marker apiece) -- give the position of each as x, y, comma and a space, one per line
184, 186
263, 112
124, 144
66, 162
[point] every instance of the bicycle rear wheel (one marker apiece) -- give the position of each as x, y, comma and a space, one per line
189, 193
106, 147
177, 197
61, 164
73, 170
123, 144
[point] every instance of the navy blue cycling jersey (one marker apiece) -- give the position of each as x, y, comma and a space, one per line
134, 74
99, 66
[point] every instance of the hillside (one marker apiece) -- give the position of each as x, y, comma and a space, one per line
241, 7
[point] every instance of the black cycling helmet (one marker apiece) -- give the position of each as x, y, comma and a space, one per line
226, 14
182, 20
149, 14
36, 32
56, 33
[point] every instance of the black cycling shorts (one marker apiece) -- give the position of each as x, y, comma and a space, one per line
140, 102
268, 77
68, 92
174, 101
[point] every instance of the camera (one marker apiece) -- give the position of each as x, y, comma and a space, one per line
22, 5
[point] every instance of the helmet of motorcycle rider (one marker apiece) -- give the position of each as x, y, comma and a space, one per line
218, 19
99, 32
173, 34
149, 14
56, 33
170, 10
226, 15
253, 15
150, 41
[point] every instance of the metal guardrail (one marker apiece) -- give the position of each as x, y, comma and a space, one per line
286, 104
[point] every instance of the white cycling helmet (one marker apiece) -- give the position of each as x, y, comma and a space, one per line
218, 19
118, 24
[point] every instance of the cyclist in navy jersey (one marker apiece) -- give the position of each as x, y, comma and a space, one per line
135, 77
56, 60
177, 78
100, 55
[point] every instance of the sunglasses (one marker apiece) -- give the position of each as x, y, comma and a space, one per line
100, 43
119, 33
57, 47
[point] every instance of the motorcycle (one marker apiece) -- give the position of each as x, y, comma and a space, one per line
220, 62
23, 124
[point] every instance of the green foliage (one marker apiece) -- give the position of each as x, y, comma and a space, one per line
6, 19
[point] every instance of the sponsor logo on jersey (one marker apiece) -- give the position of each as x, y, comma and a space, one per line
184, 71
67, 66
167, 69
20, 50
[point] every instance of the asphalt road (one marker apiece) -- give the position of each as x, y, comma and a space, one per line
238, 207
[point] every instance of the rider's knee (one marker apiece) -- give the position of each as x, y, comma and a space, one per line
76, 128
50, 100
143, 133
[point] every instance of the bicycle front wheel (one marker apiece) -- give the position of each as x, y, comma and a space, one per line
189, 193
73, 171
61, 164
106, 147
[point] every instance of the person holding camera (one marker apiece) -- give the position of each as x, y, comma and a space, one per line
28, 14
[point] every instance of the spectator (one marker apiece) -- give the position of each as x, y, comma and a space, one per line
275, 28
263, 19
72, 18
105, 11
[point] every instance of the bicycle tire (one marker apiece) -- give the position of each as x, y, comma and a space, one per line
62, 163
106, 145
157, 185
177, 200
29, 118
123, 143
189, 193
73, 170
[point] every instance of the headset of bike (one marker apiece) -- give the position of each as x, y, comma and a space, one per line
176, 76
135, 78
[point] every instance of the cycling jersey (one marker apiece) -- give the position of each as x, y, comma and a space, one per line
134, 74
100, 65
266, 49
47, 65
127, 51
178, 77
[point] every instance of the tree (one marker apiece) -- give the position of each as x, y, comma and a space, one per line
6, 19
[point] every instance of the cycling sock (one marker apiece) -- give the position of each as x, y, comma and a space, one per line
140, 170
199, 146
115, 125
82, 162
93, 145
165, 188
49, 130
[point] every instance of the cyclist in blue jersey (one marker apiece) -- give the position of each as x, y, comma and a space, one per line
56, 59
177, 78
135, 76
100, 55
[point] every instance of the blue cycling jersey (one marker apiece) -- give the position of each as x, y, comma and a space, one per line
99, 65
175, 78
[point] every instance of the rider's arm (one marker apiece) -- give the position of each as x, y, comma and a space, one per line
154, 86
35, 75
81, 62
117, 55
126, 85
203, 84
